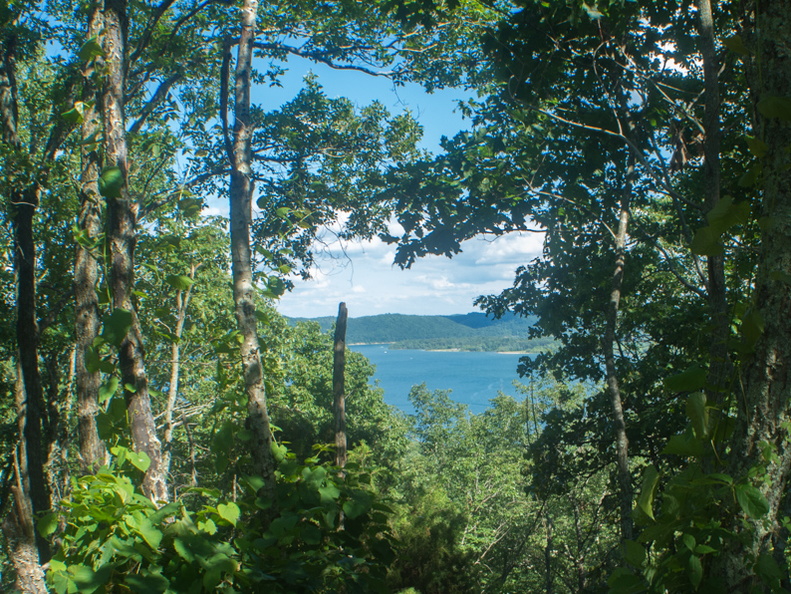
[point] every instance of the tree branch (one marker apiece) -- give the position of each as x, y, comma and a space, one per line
157, 98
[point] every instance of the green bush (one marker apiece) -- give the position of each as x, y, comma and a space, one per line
330, 534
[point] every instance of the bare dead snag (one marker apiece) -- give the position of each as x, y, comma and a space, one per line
339, 385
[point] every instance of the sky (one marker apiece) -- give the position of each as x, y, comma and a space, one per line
361, 273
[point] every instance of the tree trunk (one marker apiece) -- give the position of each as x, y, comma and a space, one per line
339, 387
549, 581
241, 195
613, 386
121, 238
719, 366
86, 269
32, 493
764, 410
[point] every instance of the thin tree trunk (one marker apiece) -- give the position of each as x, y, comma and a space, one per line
719, 366
19, 530
241, 195
765, 410
613, 385
339, 386
121, 238
33, 490
549, 580
182, 303
87, 321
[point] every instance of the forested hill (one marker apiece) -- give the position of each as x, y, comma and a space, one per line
472, 331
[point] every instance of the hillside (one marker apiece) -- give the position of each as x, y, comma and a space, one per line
468, 332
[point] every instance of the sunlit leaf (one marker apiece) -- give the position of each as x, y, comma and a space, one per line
229, 512
90, 49
180, 282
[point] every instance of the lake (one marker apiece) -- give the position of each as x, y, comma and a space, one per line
473, 377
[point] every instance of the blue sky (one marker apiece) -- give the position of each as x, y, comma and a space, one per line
361, 273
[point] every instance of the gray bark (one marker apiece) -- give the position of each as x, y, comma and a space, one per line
764, 404
86, 271
121, 238
625, 494
241, 195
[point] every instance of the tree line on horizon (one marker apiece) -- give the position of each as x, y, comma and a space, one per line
164, 429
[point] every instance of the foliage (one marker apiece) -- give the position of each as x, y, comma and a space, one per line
688, 521
330, 533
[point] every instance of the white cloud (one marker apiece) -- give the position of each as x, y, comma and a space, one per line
369, 284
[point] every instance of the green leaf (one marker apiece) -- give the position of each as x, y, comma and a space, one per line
726, 214
139, 460
359, 504
86, 579
208, 526
707, 242
279, 452
752, 326
757, 146
76, 114
634, 553
329, 493
767, 568
695, 571
736, 45
691, 380
108, 388
229, 512
183, 550
90, 49
116, 325
276, 286
689, 541
47, 524
750, 177
146, 583
180, 282
686, 445
752, 502
111, 181
645, 502
150, 533
698, 414
311, 534
775, 107
624, 581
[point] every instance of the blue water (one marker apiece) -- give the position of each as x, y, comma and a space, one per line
474, 378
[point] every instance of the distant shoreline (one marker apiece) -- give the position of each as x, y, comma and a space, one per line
453, 350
